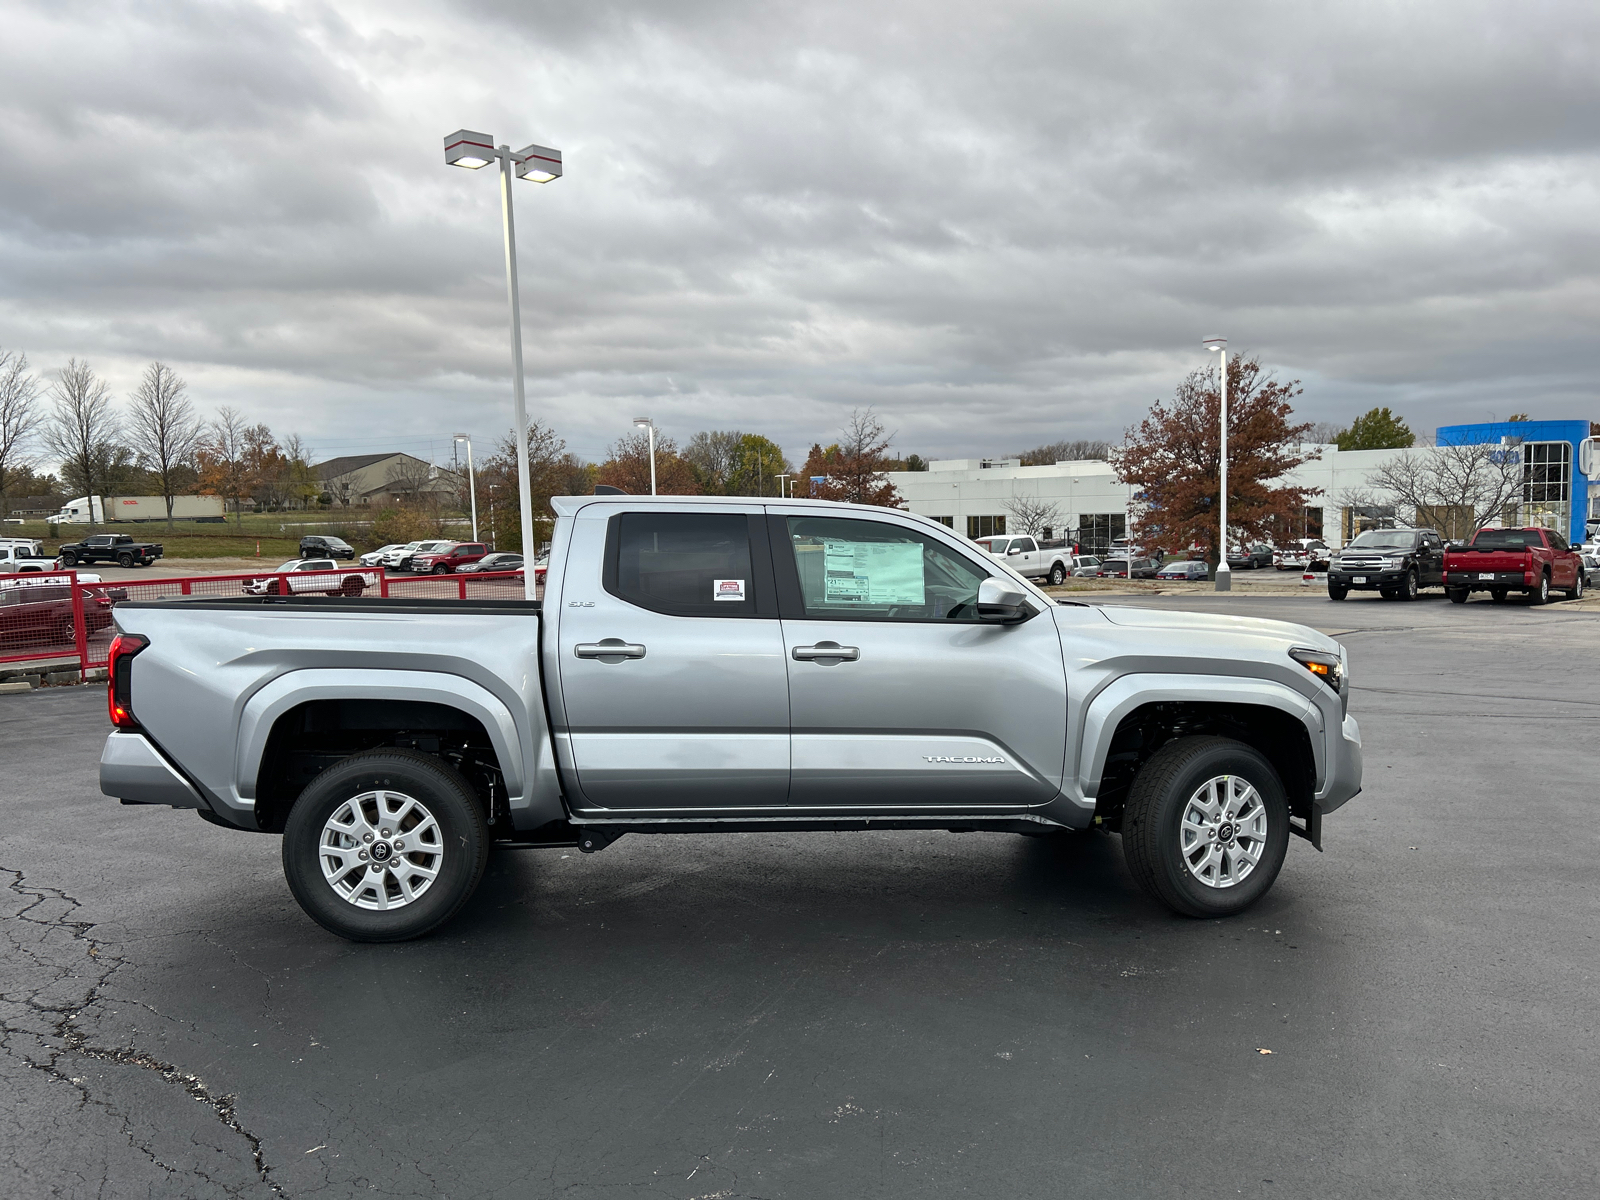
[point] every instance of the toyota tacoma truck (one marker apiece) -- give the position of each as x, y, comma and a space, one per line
703, 665
1501, 561
116, 548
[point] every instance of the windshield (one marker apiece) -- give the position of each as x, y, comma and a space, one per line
288, 566
1505, 539
1384, 539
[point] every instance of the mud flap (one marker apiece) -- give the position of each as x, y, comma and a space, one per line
1311, 827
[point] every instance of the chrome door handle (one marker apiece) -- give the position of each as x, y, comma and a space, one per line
826, 650
610, 648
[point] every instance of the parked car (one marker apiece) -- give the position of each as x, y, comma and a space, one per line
405, 560
1534, 562
116, 548
23, 558
1128, 568
1302, 554
1187, 569
33, 612
324, 580
1591, 569
1028, 558
374, 558
452, 557
879, 672
1085, 566
325, 546
505, 560
391, 558
1394, 562
1250, 558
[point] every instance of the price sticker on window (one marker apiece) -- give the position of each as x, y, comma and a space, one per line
872, 572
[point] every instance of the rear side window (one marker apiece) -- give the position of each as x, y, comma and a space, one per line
683, 564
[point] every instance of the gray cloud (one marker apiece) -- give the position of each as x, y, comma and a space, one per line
999, 226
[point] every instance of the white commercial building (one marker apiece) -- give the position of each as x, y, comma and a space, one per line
971, 495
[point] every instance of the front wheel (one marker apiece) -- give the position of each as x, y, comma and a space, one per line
1412, 585
385, 846
1058, 575
1498, 595
1206, 826
1457, 595
441, 569
1335, 592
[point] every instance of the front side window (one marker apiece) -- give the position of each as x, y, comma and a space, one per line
683, 564
870, 570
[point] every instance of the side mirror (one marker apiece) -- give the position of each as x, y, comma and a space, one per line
1014, 550
1002, 602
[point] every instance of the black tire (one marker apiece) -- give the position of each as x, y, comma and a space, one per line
1335, 592
1457, 595
1498, 595
1541, 594
1411, 587
1058, 575
441, 569
464, 842
1153, 818
125, 561
1575, 592
69, 560
353, 585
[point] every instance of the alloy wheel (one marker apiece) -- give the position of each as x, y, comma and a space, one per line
1223, 832
380, 850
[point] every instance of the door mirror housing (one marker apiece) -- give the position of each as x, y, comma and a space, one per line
1003, 602
1014, 550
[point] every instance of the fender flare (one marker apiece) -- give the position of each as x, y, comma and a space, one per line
1126, 693
294, 688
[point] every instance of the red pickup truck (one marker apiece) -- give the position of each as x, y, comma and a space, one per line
1500, 561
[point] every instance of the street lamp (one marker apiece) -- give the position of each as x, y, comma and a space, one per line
469, 149
472, 483
646, 424
1224, 575
492, 486
780, 479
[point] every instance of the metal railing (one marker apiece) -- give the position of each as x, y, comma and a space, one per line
56, 615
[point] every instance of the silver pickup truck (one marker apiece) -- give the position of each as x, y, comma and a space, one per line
713, 664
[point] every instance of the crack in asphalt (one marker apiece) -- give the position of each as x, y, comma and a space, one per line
73, 1042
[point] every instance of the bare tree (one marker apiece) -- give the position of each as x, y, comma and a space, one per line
82, 428
341, 489
1324, 433
222, 458
1455, 489
1032, 516
19, 417
1047, 456
163, 427
301, 480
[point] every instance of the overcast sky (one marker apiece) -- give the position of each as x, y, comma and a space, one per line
999, 224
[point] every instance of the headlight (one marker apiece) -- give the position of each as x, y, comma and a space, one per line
1324, 664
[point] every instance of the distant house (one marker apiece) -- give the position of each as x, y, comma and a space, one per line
34, 506
369, 479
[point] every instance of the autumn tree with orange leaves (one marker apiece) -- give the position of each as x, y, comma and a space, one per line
1173, 458
628, 466
855, 468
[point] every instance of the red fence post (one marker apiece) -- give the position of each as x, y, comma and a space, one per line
186, 587
80, 633
383, 583
461, 585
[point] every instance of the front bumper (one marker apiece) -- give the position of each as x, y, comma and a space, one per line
1371, 580
1342, 777
134, 771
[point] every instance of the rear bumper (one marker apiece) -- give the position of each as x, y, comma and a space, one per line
133, 770
1502, 579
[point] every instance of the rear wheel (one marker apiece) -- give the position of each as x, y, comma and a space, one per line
1457, 595
1575, 592
69, 560
1206, 827
385, 846
125, 560
1337, 592
1058, 575
1541, 593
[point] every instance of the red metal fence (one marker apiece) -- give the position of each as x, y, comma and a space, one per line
58, 615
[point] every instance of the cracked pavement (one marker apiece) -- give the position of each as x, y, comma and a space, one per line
864, 1015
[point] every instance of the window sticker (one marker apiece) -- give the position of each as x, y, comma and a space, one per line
727, 589
872, 572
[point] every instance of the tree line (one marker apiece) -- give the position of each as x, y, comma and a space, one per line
156, 444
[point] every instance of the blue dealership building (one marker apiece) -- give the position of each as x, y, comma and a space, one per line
1555, 492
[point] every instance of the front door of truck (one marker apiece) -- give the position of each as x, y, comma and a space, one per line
673, 689
900, 698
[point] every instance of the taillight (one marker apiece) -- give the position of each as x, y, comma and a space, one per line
119, 665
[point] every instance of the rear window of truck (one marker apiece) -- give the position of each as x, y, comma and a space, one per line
1506, 539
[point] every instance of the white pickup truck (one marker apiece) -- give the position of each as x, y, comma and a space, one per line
1028, 557
710, 664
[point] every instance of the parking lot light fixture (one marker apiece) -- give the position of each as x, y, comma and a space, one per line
782, 484
1224, 575
471, 149
648, 426
472, 483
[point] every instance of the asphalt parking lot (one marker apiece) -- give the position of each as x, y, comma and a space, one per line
861, 1015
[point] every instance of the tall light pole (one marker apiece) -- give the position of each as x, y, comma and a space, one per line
466, 148
646, 423
472, 482
1224, 575
491, 512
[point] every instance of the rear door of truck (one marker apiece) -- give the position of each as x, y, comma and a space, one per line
673, 693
